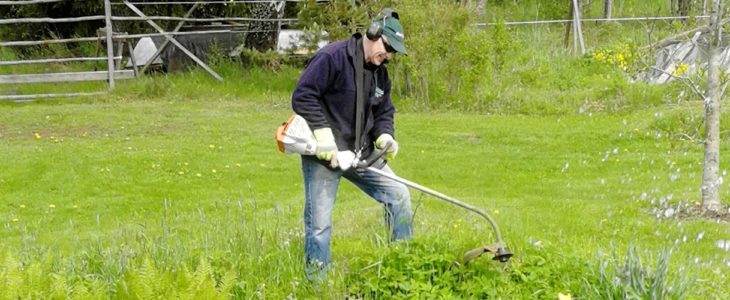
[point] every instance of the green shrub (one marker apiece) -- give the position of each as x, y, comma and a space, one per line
432, 269
420, 270
453, 64
270, 60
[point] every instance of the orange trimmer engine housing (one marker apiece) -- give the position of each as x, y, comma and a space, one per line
295, 137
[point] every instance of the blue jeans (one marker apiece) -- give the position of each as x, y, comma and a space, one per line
320, 189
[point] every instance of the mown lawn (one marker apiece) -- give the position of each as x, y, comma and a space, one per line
147, 193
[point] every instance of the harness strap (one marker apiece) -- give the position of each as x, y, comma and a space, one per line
360, 92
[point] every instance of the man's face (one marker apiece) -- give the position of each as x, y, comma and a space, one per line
382, 52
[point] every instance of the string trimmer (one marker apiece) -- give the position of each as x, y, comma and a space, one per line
294, 136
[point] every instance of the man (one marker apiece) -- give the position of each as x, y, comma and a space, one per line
326, 97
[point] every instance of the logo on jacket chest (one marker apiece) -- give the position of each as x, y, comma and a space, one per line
378, 92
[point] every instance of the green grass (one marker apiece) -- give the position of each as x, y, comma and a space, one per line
172, 186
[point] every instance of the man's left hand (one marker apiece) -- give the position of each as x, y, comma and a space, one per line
383, 140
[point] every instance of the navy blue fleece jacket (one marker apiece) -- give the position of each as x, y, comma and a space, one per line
325, 96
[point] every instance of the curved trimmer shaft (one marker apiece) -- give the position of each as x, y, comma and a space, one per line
499, 250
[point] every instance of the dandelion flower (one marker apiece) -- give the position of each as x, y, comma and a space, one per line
15, 220
22, 206
198, 174
211, 146
562, 296
51, 206
496, 211
238, 165
214, 171
37, 135
75, 206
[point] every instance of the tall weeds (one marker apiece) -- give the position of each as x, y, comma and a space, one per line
632, 278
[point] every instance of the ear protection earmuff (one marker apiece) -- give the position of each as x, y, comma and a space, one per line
375, 30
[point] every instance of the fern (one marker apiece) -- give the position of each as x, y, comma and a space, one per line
150, 276
80, 291
142, 281
60, 288
36, 277
11, 280
89, 289
203, 286
228, 282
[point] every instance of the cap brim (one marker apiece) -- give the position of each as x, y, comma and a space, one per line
398, 46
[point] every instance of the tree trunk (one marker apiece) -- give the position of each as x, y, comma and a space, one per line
569, 27
607, 9
263, 34
683, 7
711, 180
481, 9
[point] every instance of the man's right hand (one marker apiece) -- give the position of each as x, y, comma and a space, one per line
326, 147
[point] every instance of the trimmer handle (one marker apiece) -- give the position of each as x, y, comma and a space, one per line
375, 156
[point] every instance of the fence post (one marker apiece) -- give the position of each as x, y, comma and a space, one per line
109, 43
577, 28
607, 9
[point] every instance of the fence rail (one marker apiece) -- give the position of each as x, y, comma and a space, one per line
20, 2
122, 36
644, 19
64, 77
51, 20
53, 60
213, 2
43, 42
28, 98
166, 18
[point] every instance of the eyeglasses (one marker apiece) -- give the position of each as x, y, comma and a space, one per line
388, 47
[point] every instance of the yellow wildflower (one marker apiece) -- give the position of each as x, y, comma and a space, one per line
51, 206
680, 69
562, 296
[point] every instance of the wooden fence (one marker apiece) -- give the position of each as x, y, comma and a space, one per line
115, 43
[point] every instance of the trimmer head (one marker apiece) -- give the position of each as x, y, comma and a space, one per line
500, 253
503, 254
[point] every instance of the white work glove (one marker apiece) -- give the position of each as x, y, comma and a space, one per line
326, 147
382, 140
